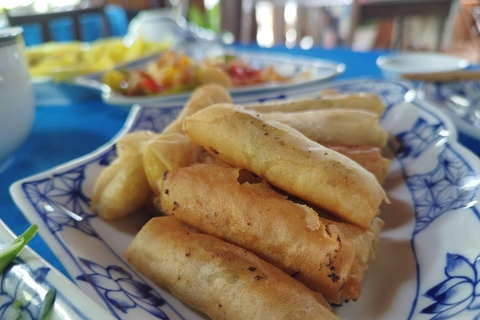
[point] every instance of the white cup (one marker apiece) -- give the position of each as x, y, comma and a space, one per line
17, 103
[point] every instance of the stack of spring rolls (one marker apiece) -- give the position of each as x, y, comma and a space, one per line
271, 209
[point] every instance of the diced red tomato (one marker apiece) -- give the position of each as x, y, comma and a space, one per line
149, 85
140, 83
242, 75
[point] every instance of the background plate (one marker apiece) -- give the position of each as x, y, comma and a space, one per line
318, 70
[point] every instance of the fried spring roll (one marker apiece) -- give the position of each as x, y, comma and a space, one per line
353, 133
172, 149
287, 159
122, 188
220, 279
168, 151
333, 126
134, 142
365, 249
245, 211
209, 75
362, 101
201, 98
368, 157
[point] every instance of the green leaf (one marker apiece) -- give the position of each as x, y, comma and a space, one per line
196, 15
17, 304
47, 304
214, 18
8, 254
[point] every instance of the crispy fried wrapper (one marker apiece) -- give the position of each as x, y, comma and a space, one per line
172, 148
168, 151
369, 158
122, 188
201, 98
220, 279
125, 186
335, 126
327, 100
133, 143
233, 204
365, 250
210, 75
287, 159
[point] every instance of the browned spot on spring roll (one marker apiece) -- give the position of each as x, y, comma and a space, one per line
368, 157
218, 278
288, 160
334, 126
239, 208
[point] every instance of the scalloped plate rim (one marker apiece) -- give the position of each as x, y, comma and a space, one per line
460, 124
15, 189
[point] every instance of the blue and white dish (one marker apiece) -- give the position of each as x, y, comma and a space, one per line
305, 73
427, 264
460, 100
393, 65
25, 282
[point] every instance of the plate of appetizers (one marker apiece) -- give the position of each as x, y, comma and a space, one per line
30, 288
172, 76
355, 202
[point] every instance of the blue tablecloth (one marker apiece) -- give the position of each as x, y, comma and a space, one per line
61, 134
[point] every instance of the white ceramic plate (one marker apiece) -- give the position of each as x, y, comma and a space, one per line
27, 281
460, 100
305, 72
395, 64
426, 266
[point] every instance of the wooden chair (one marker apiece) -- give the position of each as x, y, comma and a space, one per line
315, 16
398, 10
19, 18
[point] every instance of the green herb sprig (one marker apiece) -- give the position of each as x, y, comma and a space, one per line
8, 254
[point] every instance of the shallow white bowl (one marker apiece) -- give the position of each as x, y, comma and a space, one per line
395, 64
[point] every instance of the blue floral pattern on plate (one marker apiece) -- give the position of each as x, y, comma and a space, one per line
14, 291
438, 175
60, 197
459, 292
460, 100
121, 290
50, 196
441, 190
422, 135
